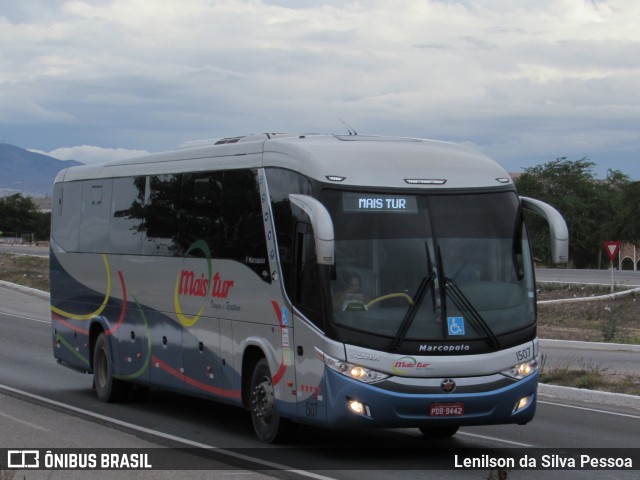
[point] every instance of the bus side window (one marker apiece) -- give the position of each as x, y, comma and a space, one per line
162, 216
201, 217
65, 228
96, 215
125, 234
307, 290
242, 237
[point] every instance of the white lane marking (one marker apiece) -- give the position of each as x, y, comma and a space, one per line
494, 439
25, 318
596, 410
166, 436
24, 422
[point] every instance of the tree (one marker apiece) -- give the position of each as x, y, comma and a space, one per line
20, 215
628, 226
590, 207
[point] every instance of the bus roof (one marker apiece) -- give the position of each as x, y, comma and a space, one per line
357, 160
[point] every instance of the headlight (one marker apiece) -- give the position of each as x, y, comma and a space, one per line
350, 370
522, 370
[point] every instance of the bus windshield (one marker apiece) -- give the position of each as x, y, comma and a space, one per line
420, 267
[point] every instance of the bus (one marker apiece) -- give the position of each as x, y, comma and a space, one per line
344, 281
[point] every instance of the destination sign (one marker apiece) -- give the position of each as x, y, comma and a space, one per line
369, 202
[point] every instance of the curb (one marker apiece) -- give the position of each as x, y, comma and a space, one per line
609, 296
610, 347
591, 396
28, 290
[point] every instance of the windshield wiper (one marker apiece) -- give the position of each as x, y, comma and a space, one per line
411, 312
450, 287
418, 298
464, 305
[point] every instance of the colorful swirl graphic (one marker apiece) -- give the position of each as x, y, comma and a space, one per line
185, 320
97, 312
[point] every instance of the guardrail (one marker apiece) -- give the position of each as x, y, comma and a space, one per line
11, 240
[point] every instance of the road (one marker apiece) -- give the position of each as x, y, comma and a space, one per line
37, 394
24, 250
601, 277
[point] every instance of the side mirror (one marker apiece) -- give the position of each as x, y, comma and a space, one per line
558, 228
322, 226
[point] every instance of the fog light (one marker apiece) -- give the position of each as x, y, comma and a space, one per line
359, 408
356, 407
522, 404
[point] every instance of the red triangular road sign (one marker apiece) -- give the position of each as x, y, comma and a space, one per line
612, 249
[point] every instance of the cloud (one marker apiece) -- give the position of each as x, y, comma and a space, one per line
529, 78
92, 154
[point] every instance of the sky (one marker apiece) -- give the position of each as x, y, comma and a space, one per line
524, 81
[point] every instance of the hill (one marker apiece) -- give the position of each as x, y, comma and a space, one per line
27, 172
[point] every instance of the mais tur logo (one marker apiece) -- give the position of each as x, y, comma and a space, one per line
407, 365
190, 284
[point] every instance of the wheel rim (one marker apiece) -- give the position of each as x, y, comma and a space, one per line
263, 402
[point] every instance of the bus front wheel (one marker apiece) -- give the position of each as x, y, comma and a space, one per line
108, 388
267, 423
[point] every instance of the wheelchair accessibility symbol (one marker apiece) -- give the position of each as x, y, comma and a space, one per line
456, 325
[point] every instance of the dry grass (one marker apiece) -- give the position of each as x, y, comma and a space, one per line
591, 376
599, 320
25, 270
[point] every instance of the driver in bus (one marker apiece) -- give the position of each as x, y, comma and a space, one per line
352, 298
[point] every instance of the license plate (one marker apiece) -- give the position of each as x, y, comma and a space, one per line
446, 409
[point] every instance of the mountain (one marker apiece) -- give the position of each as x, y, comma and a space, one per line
27, 172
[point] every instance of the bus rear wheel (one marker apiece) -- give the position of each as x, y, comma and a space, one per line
108, 388
267, 423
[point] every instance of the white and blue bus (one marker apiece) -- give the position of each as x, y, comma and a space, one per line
340, 281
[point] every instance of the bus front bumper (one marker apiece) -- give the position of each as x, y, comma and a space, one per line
354, 404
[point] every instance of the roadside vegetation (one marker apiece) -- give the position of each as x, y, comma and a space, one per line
25, 270
591, 376
600, 319
21, 217
597, 320
595, 210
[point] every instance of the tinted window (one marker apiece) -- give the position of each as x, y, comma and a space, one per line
242, 234
128, 213
96, 213
201, 206
162, 215
281, 184
66, 217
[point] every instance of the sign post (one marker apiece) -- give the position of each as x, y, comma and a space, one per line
612, 249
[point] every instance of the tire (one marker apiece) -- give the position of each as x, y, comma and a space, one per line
439, 432
108, 389
267, 423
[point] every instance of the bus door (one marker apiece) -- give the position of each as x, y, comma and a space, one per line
308, 298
